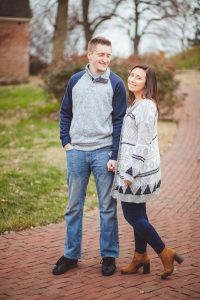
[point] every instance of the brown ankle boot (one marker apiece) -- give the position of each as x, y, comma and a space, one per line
167, 256
139, 260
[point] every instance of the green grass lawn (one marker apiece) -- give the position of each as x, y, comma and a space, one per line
33, 177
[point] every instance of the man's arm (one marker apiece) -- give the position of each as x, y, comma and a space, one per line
119, 110
66, 116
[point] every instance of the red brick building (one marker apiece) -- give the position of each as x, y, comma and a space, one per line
14, 40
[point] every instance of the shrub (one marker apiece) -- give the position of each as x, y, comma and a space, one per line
168, 97
36, 65
56, 80
189, 59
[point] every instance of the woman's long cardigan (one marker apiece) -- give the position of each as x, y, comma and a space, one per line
138, 158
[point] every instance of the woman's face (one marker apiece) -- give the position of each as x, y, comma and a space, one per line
136, 82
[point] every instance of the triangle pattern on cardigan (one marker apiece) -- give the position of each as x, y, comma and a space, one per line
147, 190
139, 192
120, 190
128, 190
155, 187
129, 171
159, 183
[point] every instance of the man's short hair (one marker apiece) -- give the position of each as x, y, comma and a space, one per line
98, 40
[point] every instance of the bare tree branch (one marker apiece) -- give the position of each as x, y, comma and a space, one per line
90, 26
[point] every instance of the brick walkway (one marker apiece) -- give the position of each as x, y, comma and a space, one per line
27, 257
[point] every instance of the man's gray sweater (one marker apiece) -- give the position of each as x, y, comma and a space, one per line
92, 111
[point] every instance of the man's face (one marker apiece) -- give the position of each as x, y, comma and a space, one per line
99, 58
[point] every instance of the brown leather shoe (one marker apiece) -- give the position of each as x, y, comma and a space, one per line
168, 256
139, 260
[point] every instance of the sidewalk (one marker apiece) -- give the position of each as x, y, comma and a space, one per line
27, 257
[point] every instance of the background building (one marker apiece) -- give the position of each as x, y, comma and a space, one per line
14, 41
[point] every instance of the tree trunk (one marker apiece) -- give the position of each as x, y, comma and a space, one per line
60, 33
136, 36
86, 25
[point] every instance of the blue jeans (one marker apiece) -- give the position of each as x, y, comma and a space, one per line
80, 164
135, 214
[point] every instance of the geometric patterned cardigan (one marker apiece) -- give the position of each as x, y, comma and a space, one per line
138, 156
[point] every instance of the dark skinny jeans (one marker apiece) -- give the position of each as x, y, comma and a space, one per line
135, 214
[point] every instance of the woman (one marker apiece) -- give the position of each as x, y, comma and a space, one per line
138, 176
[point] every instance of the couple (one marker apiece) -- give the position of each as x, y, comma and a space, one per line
91, 118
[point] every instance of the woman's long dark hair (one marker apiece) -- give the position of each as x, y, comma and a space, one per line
150, 88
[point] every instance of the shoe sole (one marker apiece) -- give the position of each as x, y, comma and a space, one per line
63, 272
108, 274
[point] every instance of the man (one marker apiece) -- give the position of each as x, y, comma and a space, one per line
91, 118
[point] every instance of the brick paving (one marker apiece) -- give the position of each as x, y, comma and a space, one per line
27, 257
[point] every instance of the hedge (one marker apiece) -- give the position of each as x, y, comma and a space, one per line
56, 80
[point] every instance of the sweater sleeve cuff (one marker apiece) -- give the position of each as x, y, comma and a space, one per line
65, 141
113, 155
